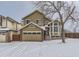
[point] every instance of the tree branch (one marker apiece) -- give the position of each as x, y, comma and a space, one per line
69, 14
57, 10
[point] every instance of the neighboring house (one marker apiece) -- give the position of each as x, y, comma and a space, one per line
8, 27
37, 27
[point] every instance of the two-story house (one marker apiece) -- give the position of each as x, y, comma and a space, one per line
37, 27
8, 27
34, 27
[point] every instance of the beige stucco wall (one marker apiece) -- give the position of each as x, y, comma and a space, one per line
3, 22
2, 38
11, 33
14, 25
19, 26
11, 25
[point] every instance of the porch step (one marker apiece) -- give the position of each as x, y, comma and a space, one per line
47, 38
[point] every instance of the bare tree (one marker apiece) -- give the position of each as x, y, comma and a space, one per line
63, 9
75, 20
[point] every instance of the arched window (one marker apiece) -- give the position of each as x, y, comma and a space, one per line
56, 27
55, 24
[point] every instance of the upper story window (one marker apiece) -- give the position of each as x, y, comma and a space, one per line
4, 24
0, 20
37, 21
26, 21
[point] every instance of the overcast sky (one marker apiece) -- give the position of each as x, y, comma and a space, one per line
19, 9
16, 10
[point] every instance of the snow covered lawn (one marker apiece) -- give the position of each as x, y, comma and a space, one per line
52, 48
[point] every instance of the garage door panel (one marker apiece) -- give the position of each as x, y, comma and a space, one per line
31, 37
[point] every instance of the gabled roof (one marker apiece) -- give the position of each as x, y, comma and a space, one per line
53, 21
12, 20
2, 16
33, 13
33, 24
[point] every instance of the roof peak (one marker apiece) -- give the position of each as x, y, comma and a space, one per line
31, 13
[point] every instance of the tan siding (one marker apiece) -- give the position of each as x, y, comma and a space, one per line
19, 26
31, 37
14, 25
4, 22
29, 28
37, 16
9, 25
11, 33
2, 38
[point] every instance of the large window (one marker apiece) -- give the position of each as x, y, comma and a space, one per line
56, 29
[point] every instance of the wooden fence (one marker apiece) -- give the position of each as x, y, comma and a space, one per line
16, 37
72, 35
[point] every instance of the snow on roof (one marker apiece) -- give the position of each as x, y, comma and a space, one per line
50, 22
43, 27
4, 29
